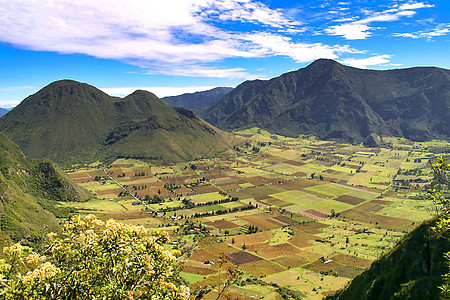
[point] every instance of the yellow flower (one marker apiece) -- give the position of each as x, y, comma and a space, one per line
15, 249
165, 237
87, 237
34, 258
176, 252
98, 223
89, 218
45, 271
167, 256
184, 292
51, 235
128, 250
4, 266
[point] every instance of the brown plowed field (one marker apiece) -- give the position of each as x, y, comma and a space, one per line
240, 258
350, 199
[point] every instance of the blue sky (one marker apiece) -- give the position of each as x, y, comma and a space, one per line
174, 46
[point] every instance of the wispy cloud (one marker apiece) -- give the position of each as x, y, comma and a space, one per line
415, 5
160, 91
364, 63
181, 35
247, 11
360, 29
440, 30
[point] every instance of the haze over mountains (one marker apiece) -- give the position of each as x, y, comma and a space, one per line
195, 101
333, 101
71, 122
3, 111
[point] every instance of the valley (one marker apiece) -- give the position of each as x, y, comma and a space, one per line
297, 216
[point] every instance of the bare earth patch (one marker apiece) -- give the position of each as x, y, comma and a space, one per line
350, 199
314, 214
240, 258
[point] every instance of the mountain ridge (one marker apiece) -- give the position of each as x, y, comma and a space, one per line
196, 101
70, 122
333, 101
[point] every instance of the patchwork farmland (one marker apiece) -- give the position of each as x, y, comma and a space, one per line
295, 217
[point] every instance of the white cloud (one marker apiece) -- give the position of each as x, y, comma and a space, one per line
9, 104
409, 35
160, 91
248, 11
436, 32
170, 36
415, 5
363, 63
281, 45
200, 71
441, 30
360, 29
352, 31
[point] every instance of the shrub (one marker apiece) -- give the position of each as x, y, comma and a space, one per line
93, 259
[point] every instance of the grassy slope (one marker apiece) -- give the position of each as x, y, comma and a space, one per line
71, 122
169, 137
29, 189
412, 270
61, 122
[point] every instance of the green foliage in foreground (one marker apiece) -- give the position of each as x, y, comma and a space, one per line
94, 260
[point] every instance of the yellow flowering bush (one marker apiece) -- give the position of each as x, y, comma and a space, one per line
94, 260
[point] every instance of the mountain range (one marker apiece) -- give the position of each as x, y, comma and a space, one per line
71, 122
3, 112
333, 101
195, 101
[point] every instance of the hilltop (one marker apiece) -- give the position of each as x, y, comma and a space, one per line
71, 122
333, 101
29, 189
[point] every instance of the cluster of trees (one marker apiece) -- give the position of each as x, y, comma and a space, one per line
224, 211
142, 173
153, 200
139, 187
416, 160
187, 203
416, 172
252, 229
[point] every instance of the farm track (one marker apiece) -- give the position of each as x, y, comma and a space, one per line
131, 194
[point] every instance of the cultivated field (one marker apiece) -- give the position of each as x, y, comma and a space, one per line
298, 217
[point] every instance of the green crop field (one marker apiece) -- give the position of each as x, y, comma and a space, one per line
302, 214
